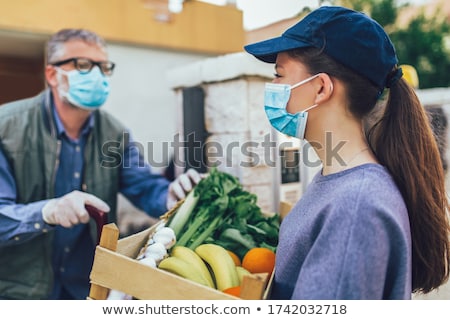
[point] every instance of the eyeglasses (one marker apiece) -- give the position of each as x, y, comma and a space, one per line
84, 65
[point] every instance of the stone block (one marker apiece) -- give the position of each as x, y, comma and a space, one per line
265, 196
259, 175
226, 107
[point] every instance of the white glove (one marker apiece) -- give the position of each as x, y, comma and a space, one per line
181, 186
69, 210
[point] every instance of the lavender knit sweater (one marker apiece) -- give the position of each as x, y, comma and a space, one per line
347, 238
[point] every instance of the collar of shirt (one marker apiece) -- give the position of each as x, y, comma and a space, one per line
88, 125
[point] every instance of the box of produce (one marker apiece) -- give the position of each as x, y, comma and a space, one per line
215, 244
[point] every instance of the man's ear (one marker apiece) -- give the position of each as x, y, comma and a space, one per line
326, 90
50, 76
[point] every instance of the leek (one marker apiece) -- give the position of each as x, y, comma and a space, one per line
183, 214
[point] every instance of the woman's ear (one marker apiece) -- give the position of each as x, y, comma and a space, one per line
326, 90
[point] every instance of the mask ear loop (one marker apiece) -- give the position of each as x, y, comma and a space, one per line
309, 108
304, 81
63, 84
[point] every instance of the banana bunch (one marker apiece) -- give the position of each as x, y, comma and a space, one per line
221, 263
209, 265
184, 262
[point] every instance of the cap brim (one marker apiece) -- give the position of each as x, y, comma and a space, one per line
268, 50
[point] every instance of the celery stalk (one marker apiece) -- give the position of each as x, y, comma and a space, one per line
206, 233
200, 219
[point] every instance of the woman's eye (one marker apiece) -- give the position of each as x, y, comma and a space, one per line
276, 75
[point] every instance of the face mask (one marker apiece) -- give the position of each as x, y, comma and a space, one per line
276, 98
85, 90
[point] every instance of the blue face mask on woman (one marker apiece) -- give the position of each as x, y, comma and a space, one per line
276, 98
85, 90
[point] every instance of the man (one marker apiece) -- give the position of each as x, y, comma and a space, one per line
59, 153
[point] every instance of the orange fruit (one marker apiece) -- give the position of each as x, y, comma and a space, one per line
259, 260
234, 291
234, 256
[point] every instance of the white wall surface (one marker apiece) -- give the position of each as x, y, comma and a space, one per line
141, 97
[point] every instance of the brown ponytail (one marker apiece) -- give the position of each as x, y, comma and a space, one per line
403, 141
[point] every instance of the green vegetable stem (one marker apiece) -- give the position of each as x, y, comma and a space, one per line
183, 213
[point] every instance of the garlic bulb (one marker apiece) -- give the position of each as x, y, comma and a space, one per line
157, 251
118, 295
149, 261
166, 236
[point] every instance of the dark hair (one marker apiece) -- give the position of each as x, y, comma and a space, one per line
400, 135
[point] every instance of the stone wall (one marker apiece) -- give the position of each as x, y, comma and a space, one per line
236, 121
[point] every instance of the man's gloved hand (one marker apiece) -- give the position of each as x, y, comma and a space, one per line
69, 210
181, 186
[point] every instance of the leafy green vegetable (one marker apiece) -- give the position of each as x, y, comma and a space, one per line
227, 215
232, 234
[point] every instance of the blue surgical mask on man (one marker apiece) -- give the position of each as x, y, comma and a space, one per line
276, 98
85, 90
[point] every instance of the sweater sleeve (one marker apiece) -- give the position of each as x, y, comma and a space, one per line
145, 189
18, 222
353, 255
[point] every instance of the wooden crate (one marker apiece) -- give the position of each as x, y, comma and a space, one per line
115, 267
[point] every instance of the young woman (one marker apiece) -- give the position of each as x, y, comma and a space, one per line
373, 223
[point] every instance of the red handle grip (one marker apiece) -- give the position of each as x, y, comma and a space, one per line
100, 219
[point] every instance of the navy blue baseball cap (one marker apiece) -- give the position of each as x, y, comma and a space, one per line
349, 37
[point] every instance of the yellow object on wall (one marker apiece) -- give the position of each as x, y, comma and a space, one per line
200, 27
